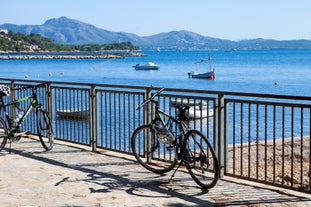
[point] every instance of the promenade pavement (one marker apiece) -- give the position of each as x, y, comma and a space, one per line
72, 175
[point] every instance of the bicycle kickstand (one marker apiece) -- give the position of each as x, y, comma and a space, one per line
10, 150
174, 172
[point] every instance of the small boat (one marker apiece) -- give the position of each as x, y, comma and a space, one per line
199, 112
148, 66
207, 75
73, 113
197, 109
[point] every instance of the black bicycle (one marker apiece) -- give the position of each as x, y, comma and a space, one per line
159, 145
11, 125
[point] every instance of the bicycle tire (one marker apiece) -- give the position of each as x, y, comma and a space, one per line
45, 131
158, 157
3, 133
200, 159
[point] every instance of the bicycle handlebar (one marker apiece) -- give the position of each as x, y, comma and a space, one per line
150, 98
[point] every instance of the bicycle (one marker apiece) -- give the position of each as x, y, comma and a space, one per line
153, 144
10, 126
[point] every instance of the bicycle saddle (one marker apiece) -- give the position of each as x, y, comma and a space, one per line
182, 112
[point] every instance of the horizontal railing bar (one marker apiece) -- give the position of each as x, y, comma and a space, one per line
268, 103
198, 91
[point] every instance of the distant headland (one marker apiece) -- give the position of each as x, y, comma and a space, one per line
16, 46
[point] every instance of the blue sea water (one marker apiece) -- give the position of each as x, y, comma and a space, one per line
240, 71
236, 71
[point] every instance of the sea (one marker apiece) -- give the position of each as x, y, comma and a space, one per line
283, 72
286, 72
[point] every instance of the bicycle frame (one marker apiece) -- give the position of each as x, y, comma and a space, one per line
159, 117
15, 103
183, 127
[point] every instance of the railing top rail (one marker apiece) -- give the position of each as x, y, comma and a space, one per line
209, 92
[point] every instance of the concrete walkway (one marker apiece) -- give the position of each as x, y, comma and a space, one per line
73, 176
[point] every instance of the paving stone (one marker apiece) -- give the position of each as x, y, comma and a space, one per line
72, 175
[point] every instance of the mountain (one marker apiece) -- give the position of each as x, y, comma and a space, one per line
69, 31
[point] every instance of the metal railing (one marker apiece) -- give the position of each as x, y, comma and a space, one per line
259, 137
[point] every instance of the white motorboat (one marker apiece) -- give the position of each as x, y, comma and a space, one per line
148, 66
199, 112
198, 109
185, 101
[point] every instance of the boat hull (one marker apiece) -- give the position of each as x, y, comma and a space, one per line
197, 110
148, 66
200, 112
207, 75
143, 67
73, 114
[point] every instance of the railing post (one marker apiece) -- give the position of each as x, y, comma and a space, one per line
147, 120
49, 101
93, 117
12, 97
148, 111
221, 145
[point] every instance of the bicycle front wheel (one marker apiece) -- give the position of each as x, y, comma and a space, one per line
3, 134
45, 130
200, 159
152, 154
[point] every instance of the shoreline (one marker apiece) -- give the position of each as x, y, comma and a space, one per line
49, 56
283, 161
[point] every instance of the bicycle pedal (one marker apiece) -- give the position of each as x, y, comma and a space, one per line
19, 134
27, 134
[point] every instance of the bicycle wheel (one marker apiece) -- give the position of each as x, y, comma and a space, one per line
154, 155
200, 159
45, 131
3, 133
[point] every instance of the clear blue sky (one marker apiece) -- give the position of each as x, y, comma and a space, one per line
226, 19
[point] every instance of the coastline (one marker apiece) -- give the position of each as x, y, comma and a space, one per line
52, 55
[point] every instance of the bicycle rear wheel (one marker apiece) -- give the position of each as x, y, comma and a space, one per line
45, 131
3, 134
200, 159
152, 154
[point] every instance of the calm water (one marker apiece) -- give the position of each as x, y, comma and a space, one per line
243, 71
240, 71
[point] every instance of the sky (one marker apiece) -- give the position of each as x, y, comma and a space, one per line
225, 19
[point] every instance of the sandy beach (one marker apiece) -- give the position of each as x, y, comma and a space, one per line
283, 161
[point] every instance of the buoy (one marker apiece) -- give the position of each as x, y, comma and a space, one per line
50, 74
26, 76
62, 73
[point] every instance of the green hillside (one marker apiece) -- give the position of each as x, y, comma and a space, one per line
18, 42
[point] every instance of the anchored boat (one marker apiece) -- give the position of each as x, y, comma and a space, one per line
207, 75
